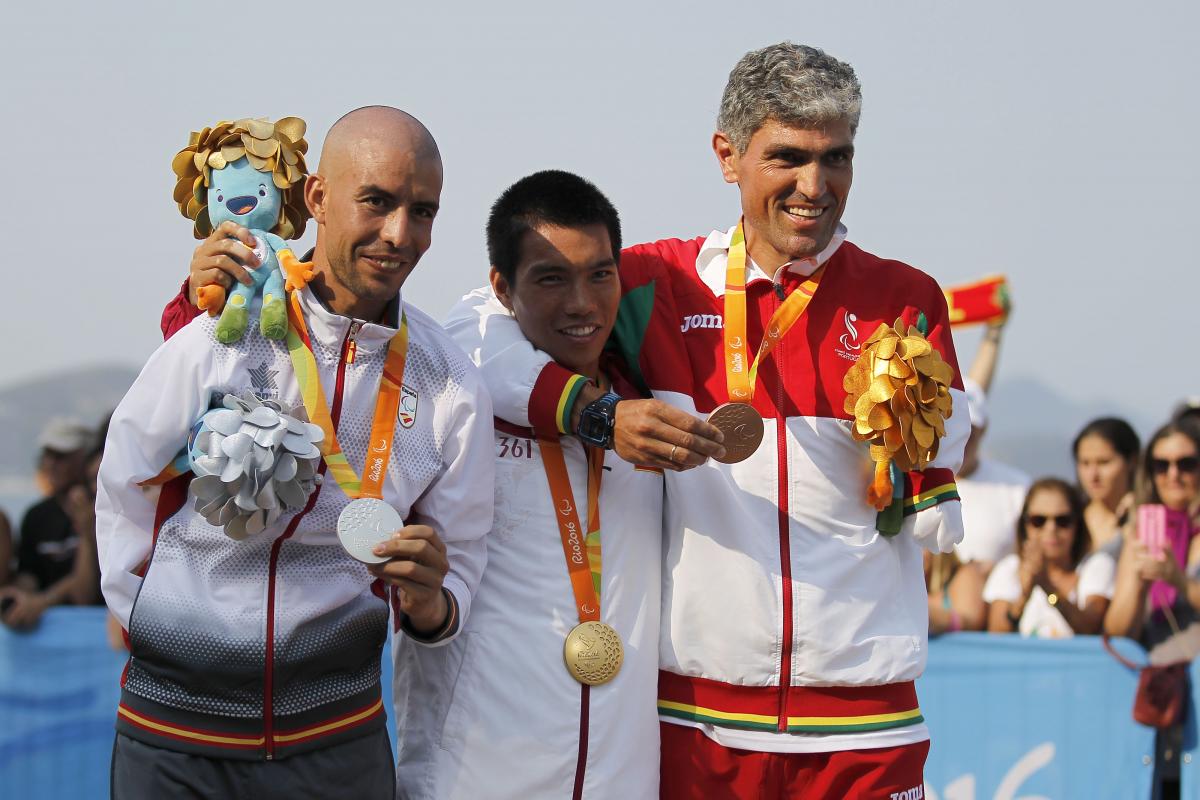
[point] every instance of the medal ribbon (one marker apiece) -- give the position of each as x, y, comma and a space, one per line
387, 404
582, 551
740, 373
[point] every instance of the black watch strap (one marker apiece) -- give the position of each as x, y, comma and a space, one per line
597, 421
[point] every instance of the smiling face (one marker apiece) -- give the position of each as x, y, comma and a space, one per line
374, 202
1051, 525
565, 293
1104, 475
1175, 470
794, 183
241, 193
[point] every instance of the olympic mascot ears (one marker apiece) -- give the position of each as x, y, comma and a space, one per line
252, 172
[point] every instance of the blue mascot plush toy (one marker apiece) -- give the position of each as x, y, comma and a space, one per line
251, 172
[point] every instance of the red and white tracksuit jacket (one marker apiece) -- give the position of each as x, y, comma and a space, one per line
789, 623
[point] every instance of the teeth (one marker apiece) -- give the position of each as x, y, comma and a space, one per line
808, 213
586, 330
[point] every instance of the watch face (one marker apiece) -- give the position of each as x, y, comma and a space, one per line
592, 428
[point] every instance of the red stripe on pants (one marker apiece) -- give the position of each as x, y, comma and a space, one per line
694, 766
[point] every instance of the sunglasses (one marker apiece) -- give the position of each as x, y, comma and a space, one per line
1060, 520
1161, 466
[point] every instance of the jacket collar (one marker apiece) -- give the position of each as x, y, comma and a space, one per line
330, 329
714, 255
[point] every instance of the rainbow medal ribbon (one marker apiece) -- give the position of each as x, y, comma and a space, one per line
593, 651
738, 420
367, 520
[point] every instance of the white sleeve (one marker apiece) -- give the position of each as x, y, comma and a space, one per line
940, 527
147, 430
1004, 582
489, 335
1097, 576
459, 503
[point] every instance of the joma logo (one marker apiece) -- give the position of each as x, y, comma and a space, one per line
696, 321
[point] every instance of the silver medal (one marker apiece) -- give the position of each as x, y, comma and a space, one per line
365, 523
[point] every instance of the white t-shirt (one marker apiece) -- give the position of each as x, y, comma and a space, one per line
1097, 573
991, 504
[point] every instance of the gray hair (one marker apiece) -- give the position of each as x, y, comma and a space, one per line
792, 83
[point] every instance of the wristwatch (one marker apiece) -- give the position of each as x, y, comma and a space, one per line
597, 420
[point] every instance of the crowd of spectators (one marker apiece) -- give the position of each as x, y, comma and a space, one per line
53, 559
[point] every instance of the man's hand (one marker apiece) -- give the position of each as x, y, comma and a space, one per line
23, 609
417, 567
655, 434
225, 256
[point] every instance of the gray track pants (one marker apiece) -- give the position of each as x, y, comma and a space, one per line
362, 769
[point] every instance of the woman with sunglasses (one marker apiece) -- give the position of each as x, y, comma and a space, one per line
1050, 588
1170, 476
1106, 458
1157, 595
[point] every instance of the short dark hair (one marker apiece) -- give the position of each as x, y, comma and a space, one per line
550, 197
1119, 434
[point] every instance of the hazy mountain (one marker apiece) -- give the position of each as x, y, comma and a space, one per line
89, 394
1031, 425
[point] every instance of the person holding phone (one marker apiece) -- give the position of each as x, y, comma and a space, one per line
1157, 595
1051, 587
1169, 476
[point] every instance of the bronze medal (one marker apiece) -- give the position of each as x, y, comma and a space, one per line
593, 653
742, 427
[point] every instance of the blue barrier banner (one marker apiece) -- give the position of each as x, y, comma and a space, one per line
1028, 719
59, 687
1011, 718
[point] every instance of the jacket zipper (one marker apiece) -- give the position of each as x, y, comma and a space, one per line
347, 356
785, 546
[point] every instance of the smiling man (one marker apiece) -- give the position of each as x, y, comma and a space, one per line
254, 665
794, 618
550, 690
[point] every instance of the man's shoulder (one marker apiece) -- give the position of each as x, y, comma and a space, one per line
44, 510
868, 266
663, 256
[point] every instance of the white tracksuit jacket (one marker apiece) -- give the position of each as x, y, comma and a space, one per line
495, 714
270, 646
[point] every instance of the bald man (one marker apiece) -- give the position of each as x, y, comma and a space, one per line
254, 666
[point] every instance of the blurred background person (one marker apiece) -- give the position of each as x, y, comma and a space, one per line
6, 550
955, 594
1169, 475
1188, 410
1051, 587
1157, 596
1106, 458
51, 570
991, 491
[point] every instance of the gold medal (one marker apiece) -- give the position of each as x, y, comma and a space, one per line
593, 653
742, 427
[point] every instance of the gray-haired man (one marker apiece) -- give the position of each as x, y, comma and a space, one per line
793, 627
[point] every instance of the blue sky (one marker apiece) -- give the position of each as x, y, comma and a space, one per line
1052, 142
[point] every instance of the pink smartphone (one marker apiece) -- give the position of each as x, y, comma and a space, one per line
1158, 528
